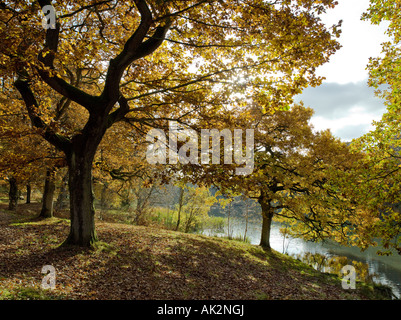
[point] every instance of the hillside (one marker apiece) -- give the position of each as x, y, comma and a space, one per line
134, 262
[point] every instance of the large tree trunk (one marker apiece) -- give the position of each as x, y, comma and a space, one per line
48, 195
13, 194
80, 156
82, 210
267, 218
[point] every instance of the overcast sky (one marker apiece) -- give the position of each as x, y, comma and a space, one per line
344, 103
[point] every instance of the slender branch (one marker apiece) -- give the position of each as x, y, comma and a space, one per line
178, 13
57, 140
84, 8
204, 78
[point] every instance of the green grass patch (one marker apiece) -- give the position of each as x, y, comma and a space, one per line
28, 293
100, 246
39, 221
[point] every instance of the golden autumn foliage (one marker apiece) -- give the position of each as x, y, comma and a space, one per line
375, 180
147, 61
295, 177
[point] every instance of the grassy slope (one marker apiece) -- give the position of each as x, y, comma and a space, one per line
132, 262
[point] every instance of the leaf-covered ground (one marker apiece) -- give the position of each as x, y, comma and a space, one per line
133, 262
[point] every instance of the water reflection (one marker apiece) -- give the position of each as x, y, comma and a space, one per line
386, 269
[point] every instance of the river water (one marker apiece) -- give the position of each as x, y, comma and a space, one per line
385, 269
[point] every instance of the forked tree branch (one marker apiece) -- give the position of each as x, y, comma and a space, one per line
134, 49
47, 55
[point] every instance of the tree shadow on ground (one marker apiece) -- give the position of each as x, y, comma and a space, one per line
147, 263
191, 268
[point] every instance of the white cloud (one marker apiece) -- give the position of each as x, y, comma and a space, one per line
346, 109
349, 127
344, 103
360, 40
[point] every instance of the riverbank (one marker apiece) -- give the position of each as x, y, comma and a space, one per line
384, 270
133, 262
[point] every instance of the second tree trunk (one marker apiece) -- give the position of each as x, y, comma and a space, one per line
48, 194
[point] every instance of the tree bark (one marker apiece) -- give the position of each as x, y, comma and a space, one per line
48, 195
267, 218
63, 194
82, 210
28, 193
180, 204
246, 218
13, 194
229, 232
104, 203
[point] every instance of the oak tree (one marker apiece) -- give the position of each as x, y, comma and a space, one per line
295, 177
147, 61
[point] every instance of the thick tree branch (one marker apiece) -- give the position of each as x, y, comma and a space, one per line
122, 60
154, 42
118, 114
47, 56
134, 49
